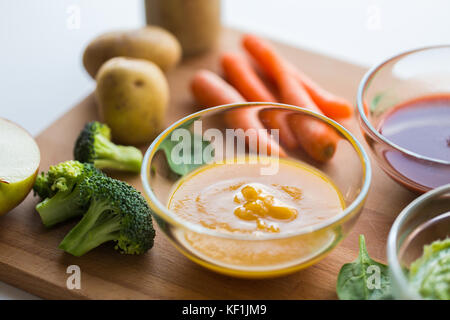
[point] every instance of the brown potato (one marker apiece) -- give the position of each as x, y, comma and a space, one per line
150, 43
132, 96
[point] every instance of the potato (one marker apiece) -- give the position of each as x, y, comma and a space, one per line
132, 96
151, 43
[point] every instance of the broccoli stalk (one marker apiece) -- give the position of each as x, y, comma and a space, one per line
117, 212
111, 156
61, 207
64, 191
100, 224
94, 146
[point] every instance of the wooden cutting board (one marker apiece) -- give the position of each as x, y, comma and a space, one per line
30, 259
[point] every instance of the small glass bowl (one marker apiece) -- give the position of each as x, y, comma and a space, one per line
423, 221
221, 251
413, 74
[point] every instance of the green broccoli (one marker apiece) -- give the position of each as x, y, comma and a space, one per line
94, 146
64, 191
117, 212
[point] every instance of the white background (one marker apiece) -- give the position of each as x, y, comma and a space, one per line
41, 74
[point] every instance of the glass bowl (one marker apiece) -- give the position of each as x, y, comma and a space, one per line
423, 221
413, 74
259, 254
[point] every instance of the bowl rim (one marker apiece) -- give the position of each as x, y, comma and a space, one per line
363, 85
392, 250
173, 218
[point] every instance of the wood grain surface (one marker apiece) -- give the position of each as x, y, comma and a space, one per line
30, 259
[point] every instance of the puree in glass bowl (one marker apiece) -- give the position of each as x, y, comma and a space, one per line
237, 198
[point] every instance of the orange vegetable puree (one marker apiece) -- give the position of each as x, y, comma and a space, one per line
236, 198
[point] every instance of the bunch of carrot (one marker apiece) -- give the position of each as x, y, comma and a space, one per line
294, 87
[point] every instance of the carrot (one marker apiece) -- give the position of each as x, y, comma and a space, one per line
211, 90
277, 120
243, 77
330, 104
366, 108
316, 138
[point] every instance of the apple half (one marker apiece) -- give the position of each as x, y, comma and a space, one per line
19, 164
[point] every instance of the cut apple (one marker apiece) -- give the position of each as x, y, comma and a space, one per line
19, 164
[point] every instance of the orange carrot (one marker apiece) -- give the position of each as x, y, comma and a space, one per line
331, 105
277, 119
243, 77
211, 90
366, 108
316, 138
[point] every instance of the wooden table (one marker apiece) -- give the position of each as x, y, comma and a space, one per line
30, 259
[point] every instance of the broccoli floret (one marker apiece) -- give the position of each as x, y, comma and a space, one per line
64, 191
117, 212
94, 146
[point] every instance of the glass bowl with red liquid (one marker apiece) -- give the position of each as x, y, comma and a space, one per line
404, 112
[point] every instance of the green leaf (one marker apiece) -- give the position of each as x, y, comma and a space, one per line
430, 274
174, 151
364, 278
375, 101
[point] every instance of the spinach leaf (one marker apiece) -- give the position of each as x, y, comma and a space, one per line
174, 149
375, 101
364, 278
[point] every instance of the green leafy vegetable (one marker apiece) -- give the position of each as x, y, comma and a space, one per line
430, 274
175, 145
375, 101
364, 278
